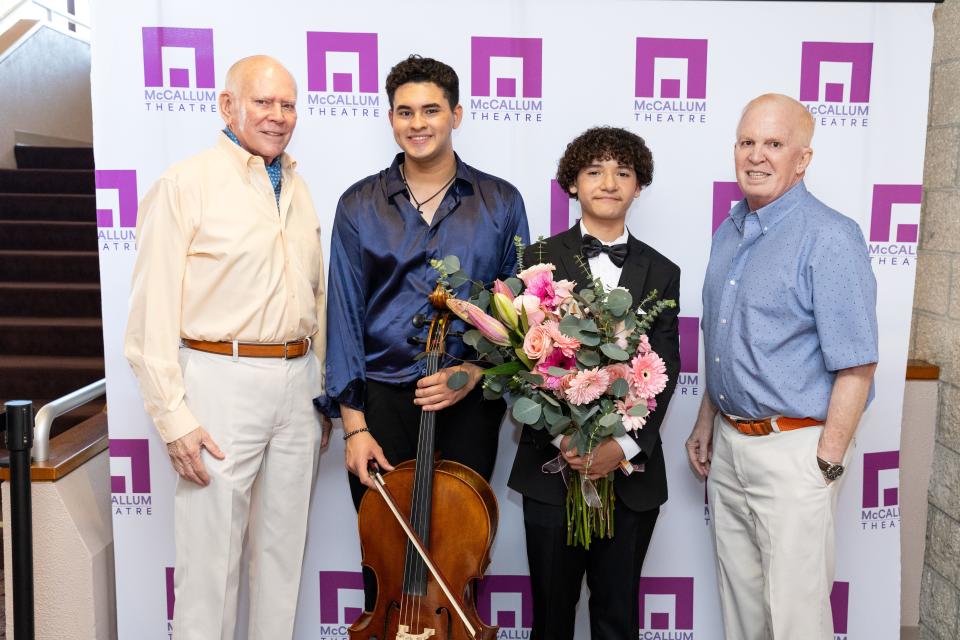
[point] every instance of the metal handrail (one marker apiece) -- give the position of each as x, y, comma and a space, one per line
56, 408
50, 13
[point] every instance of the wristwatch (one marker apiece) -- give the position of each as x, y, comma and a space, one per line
830, 470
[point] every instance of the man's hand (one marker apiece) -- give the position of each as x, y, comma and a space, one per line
185, 455
700, 447
433, 394
604, 458
362, 447
326, 425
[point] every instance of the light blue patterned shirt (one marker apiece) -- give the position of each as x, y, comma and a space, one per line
273, 169
789, 298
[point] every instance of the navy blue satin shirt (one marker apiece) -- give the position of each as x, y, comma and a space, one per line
380, 274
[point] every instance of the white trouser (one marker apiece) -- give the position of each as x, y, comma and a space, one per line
260, 412
772, 517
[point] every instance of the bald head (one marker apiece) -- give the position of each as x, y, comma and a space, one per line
790, 111
259, 105
773, 150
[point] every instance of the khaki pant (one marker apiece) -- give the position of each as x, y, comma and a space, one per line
773, 522
259, 411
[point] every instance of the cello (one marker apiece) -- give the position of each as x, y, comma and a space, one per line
426, 563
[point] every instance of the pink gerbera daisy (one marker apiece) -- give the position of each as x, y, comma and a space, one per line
588, 385
649, 375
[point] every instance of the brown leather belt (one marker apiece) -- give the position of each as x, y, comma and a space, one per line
285, 350
766, 426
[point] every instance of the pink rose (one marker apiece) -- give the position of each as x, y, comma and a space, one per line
531, 304
533, 271
537, 343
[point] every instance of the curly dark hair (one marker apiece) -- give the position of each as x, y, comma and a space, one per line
418, 69
605, 143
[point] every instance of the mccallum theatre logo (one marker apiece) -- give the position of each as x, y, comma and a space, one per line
342, 79
725, 196
901, 249
178, 50
506, 601
666, 608
341, 602
130, 477
688, 382
116, 222
168, 571
496, 67
881, 488
835, 82
840, 605
671, 81
559, 208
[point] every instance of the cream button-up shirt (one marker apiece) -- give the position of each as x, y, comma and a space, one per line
217, 261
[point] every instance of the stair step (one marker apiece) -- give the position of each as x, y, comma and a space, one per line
47, 181
34, 157
28, 336
50, 299
29, 377
46, 235
22, 206
50, 266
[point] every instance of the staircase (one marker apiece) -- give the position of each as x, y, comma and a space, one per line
51, 334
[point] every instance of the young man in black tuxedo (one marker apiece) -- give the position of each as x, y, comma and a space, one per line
605, 168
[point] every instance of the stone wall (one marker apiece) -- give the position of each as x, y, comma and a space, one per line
936, 326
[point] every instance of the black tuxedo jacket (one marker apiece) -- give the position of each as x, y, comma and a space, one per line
644, 270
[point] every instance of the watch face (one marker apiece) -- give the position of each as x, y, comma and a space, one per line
833, 472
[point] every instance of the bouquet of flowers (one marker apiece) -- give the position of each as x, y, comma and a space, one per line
574, 363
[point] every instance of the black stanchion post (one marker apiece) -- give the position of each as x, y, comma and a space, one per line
19, 438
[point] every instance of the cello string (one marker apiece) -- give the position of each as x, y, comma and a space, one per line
415, 572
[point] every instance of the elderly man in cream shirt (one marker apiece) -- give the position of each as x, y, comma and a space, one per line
226, 337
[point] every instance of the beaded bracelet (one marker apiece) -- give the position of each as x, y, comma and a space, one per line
347, 436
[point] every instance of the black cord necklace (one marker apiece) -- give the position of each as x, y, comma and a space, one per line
414, 198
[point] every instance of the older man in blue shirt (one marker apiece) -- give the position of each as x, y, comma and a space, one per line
790, 336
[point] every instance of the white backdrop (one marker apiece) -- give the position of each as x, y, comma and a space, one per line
678, 74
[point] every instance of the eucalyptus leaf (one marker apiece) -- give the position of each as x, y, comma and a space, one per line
609, 420
549, 398
526, 411
638, 410
557, 372
451, 264
588, 325
619, 301
588, 295
483, 300
558, 427
458, 279
589, 339
588, 358
614, 352
532, 378
515, 284
484, 346
472, 337
620, 387
552, 413
494, 384
458, 380
618, 429
490, 394
570, 326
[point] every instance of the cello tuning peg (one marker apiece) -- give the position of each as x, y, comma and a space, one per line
419, 321
455, 334
414, 340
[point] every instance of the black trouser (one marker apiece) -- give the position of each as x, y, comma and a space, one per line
467, 432
612, 566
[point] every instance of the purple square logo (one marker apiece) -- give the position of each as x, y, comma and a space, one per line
859, 55
332, 585
840, 605
725, 196
689, 344
506, 601
137, 452
559, 208
881, 211
322, 43
171, 597
666, 603
528, 50
873, 464
156, 39
693, 51
124, 182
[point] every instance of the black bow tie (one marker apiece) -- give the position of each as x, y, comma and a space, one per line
591, 248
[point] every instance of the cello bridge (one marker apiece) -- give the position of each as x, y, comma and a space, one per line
403, 633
